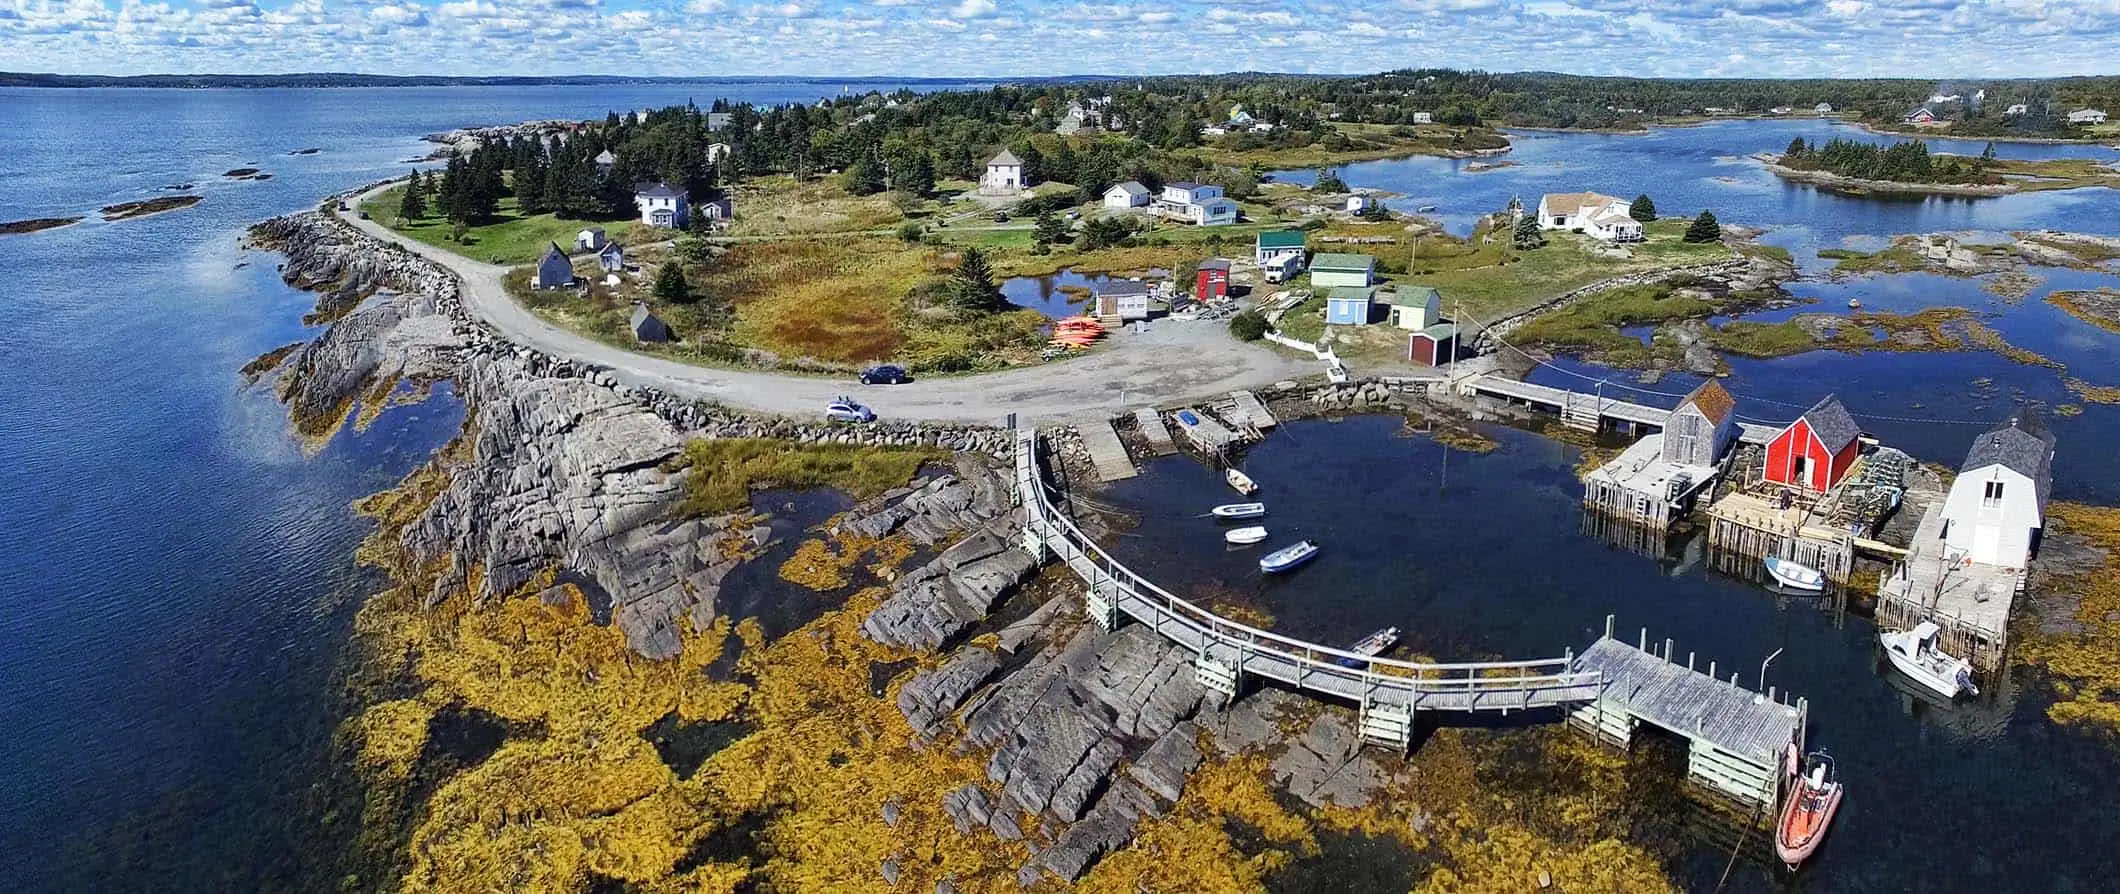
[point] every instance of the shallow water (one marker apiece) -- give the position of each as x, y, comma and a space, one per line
1483, 556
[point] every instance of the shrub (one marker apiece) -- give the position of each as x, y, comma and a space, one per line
1248, 326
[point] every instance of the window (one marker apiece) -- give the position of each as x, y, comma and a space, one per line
1991, 496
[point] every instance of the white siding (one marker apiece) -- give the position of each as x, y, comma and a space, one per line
1990, 515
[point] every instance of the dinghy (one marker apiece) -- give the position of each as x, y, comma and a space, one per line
1795, 576
1915, 654
1240, 481
1809, 809
1239, 510
1288, 557
1373, 645
1245, 536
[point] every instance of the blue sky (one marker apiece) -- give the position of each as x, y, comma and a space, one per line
984, 38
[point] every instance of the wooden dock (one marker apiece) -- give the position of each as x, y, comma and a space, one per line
1154, 431
1590, 411
1248, 406
1204, 432
1106, 452
1736, 737
1970, 602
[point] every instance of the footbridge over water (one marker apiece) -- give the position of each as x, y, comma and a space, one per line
1736, 736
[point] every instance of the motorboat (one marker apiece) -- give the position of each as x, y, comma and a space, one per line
1794, 575
1245, 536
1288, 557
1809, 809
1372, 645
1240, 481
1239, 510
1915, 654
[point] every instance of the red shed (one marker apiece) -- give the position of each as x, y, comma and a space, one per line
1816, 450
1212, 281
1433, 346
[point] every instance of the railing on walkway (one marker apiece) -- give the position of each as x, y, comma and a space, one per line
1405, 685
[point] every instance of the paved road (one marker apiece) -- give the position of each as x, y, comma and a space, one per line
1171, 363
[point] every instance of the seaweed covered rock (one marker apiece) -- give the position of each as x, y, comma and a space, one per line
939, 600
930, 698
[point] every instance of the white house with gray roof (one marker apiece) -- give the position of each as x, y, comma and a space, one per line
1997, 505
1004, 175
1126, 196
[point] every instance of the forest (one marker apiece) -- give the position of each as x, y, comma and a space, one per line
1907, 161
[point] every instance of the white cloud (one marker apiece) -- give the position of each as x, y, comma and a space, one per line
1157, 18
706, 7
972, 9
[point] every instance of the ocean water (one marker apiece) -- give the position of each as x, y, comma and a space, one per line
176, 573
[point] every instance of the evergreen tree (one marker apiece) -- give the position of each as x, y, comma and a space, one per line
972, 284
866, 177
1527, 236
1050, 229
414, 205
1643, 208
1797, 149
1704, 229
912, 171
1329, 181
1988, 154
670, 285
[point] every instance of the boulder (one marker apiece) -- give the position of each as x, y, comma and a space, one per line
927, 700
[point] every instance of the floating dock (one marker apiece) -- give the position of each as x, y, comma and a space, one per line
1204, 432
1736, 738
1106, 452
1248, 407
1154, 431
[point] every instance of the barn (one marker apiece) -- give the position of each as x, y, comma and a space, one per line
1816, 450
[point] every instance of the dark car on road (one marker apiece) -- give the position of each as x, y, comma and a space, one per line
885, 374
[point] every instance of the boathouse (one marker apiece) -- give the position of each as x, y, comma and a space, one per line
1656, 480
1701, 427
1211, 280
1433, 346
554, 271
1816, 451
1122, 301
1997, 505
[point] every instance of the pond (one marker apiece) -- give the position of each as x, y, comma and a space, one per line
1064, 293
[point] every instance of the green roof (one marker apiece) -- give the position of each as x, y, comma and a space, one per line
1415, 296
1441, 331
1342, 262
1351, 293
1281, 238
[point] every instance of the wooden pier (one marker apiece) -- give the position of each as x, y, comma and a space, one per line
1154, 431
1968, 601
1106, 452
1641, 488
1736, 735
1247, 406
1206, 434
1590, 411
1736, 738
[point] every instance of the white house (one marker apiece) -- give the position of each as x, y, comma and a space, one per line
662, 205
1125, 196
2087, 116
1004, 175
589, 239
2015, 109
1198, 203
1213, 130
716, 152
1423, 118
1597, 215
604, 161
1824, 108
1997, 505
1358, 203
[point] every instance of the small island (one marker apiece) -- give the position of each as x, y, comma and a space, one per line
1853, 167
36, 224
145, 207
246, 174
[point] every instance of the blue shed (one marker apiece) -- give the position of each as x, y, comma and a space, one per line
1349, 306
553, 270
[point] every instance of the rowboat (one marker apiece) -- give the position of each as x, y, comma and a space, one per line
1795, 576
1810, 807
1372, 645
1239, 510
1245, 536
1240, 481
1288, 557
1915, 654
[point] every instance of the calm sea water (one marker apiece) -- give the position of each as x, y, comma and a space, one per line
176, 575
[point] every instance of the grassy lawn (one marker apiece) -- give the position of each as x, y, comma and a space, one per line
1491, 280
780, 205
2058, 173
510, 238
1592, 325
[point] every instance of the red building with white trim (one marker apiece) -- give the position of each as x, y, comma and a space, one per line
1816, 450
1212, 281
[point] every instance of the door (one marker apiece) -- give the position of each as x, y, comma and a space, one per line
1987, 541
1800, 470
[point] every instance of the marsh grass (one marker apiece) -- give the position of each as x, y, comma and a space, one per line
721, 473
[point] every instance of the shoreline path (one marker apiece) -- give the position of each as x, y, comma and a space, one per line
1171, 363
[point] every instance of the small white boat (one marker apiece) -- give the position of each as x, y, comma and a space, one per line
1288, 557
1240, 481
1245, 536
1795, 576
1239, 510
1915, 654
1372, 645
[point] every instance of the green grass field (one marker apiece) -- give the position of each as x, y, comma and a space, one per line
1493, 281
510, 238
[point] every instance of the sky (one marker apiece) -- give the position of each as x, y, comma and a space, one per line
1003, 38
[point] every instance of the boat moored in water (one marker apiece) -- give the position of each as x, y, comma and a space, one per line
1915, 654
1809, 809
1239, 510
1795, 576
1288, 557
1242, 482
1245, 536
1372, 645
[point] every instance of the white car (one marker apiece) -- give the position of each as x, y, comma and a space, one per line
849, 410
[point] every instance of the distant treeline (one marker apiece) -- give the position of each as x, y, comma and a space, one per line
344, 79
1903, 162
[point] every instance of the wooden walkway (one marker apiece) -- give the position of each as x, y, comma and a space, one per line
1691, 703
1154, 431
1248, 406
1204, 432
1106, 452
1588, 410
